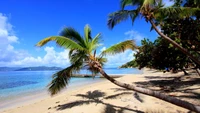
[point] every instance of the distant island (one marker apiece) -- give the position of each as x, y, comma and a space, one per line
39, 68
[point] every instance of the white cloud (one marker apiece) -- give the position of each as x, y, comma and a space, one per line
7, 38
119, 59
9, 56
134, 35
102, 49
51, 58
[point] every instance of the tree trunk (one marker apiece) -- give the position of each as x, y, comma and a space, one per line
185, 73
198, 72
156, 94
175, 44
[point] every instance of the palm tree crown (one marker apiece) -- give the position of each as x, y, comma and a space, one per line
149, 9
154, 12
82, 54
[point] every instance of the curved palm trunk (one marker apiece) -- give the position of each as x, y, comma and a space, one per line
156, 94
198, 72
175, 44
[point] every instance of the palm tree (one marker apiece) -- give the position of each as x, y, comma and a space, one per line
153, 11
82, 54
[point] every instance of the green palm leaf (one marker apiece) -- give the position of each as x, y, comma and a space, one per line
61, 78
150, 9
102, 60
78, 56
61, 41
117, 17
72, 34
87, 34
125, 3
95, 42
120, 47
174, 12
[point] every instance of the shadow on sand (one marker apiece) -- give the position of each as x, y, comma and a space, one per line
178, 84
181, 84
97, 97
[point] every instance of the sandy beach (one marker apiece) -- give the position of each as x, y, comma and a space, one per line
105, 97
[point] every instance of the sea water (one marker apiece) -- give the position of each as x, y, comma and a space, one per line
22, 83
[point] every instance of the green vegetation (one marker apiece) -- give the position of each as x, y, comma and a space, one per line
154, 12
160, 54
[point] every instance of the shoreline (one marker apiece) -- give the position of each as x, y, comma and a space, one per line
72, 101
32, 97
41, 95
20, 99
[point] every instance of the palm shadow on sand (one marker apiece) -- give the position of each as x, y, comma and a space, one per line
97, 97
177, 84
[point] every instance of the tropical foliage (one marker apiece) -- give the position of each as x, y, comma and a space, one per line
158, 55
154, 12
163, 55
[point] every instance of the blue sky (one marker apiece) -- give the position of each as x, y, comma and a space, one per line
25, 22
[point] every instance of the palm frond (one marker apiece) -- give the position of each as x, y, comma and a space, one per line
169, 11
188, 11
71, 52
125, 3
72, 34
101, 60
61, 41
95, 42
78, 56
45, 41
87, 34
175, 12
117, 17
61, 79
149, 2
120, 47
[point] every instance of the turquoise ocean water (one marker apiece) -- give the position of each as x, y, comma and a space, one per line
22, 83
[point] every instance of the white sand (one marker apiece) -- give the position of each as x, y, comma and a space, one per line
97, 99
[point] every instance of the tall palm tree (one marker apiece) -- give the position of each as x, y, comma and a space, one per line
82, 54
153, 11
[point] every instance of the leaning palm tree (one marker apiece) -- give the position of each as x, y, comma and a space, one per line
82, 54
153, 11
